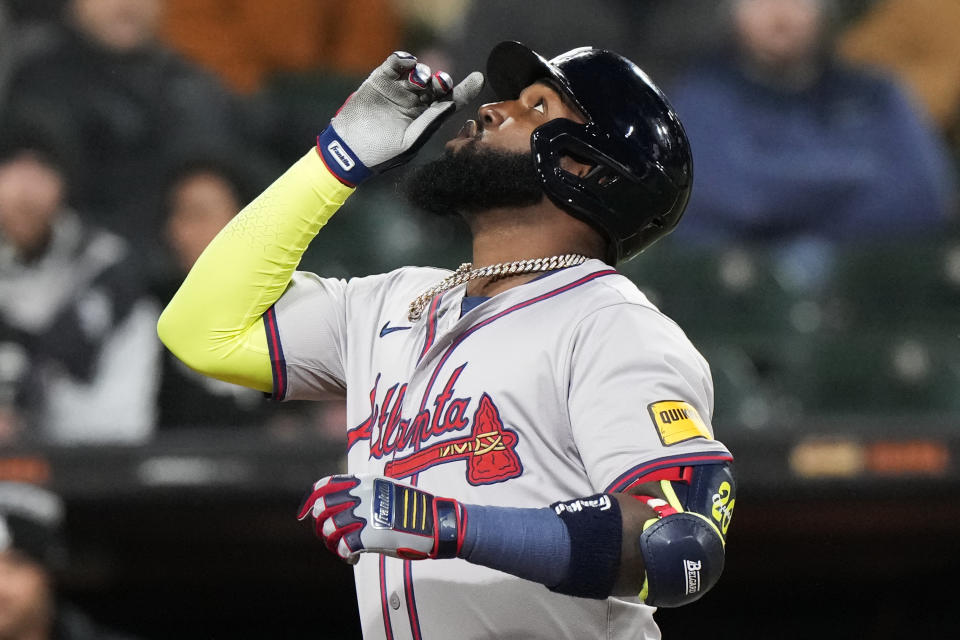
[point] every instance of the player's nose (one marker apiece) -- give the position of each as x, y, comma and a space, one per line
491, 115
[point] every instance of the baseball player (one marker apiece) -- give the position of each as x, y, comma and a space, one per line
530, 452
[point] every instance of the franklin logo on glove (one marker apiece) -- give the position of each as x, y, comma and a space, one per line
382, 505
344, 160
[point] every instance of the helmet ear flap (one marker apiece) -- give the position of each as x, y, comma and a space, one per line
589, 196
602, 175
609, 196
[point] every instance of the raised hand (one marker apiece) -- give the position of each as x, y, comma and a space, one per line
390, 117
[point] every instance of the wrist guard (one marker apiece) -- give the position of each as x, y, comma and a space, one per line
595, 526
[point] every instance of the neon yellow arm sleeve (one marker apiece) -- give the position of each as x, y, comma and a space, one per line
213, 323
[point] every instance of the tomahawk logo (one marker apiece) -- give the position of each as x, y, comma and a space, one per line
421, 442
340, 155
692, 570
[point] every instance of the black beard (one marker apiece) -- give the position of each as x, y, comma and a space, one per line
472, 179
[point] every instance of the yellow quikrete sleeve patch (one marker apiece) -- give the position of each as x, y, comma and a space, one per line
677, 421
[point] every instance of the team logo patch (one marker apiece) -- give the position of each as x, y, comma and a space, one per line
677, 421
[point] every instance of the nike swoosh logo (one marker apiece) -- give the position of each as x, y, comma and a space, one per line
388, 329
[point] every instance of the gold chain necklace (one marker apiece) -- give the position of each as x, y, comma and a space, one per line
465, 273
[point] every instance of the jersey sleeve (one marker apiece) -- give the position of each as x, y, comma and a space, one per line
307, 337
640, 397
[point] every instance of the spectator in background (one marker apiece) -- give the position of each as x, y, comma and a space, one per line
34, 10
202, 197
661, 37
78, 350
31, 554
917, 40
247, 41
23, 29
792, 146
6, 51
132, 104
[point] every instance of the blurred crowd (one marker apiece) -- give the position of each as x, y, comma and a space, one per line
33, 555
131, 131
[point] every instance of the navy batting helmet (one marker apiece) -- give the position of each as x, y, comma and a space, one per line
642, 171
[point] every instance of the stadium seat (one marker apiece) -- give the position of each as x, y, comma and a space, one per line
904, 285
890, 373
727, 290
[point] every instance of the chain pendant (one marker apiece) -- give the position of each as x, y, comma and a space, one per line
465, 273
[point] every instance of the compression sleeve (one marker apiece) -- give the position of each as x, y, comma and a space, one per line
213, 323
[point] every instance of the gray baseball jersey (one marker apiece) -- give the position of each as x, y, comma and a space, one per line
565, 386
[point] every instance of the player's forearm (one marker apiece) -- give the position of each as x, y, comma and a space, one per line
214, 322
566, 555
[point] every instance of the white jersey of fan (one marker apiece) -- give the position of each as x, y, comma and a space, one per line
565, 386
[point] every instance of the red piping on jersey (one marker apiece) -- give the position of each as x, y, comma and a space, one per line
278, 365
673, 474
431, 327
643, 471
427, 343
407, 568
463, 527
387, 627
411, 600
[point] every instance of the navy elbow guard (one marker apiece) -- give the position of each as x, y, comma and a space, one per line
683, 552
683, 555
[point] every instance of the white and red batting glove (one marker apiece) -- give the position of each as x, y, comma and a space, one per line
364, 513
390, 117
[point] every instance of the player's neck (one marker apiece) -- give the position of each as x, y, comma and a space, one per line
508, 235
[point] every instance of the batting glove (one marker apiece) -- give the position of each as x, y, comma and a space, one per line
361, 513
390, 116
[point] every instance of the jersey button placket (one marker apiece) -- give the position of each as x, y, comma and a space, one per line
395, 600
